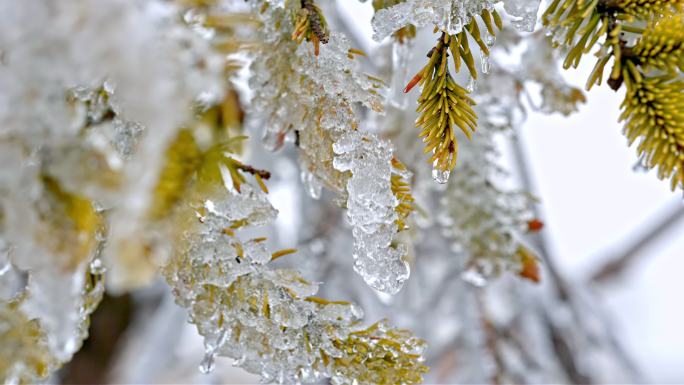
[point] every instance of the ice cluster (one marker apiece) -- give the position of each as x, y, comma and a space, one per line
266, 318
316, 95
378, 258
74, 170
448, 15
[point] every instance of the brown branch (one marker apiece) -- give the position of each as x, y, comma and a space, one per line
618, 265
264, 174
315, 21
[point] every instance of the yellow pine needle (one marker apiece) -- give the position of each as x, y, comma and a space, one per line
281, 253
228, 231
261, 183
323, 301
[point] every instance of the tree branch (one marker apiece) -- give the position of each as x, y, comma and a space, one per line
619, 264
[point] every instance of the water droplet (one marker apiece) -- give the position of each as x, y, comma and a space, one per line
440, 176
489, 39
97, 267
472, 85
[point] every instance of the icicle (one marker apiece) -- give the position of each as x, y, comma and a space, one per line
401, 55
472, 85
486, 64
312, 184
208, 362
640, 165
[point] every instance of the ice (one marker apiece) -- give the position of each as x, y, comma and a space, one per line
440, 176
335, 72
250, 205
448, 15
525, 10
401, 56
370, 210
485, 63
311, 184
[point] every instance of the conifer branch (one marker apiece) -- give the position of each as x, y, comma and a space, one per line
442, 105
310, 24
649, 68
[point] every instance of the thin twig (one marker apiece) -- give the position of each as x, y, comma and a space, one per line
635, 251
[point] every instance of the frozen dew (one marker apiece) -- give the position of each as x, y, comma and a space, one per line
440, 176
97, 267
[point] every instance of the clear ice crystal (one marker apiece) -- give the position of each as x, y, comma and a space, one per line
336, 73
251, 206
440, 176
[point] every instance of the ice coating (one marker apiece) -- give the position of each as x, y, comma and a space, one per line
359, 165
267, 318
448, 15
371, 210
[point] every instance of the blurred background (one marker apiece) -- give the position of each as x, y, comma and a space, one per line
610, 227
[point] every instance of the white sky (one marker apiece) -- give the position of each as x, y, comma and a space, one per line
593, 204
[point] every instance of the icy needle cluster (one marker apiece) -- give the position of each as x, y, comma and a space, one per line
268, 319
314, 94
450, 16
